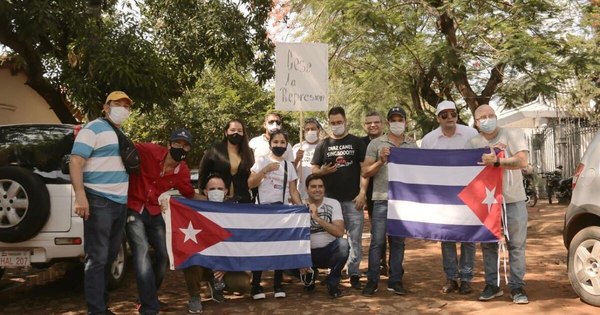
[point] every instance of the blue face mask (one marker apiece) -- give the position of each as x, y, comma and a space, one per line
488, 125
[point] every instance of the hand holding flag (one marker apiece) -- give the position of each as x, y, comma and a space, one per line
489, 158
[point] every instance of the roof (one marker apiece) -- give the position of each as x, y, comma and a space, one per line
530, 115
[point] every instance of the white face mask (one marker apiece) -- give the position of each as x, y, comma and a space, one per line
118, 114
397, 128
273, 127
488, 125
338, 130
216, 195
311, 136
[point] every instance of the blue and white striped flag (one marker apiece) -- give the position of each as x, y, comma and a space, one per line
237, 237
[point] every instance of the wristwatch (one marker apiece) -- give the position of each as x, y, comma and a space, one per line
497, 163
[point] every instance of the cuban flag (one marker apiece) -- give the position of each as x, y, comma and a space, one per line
237, 237
444, 195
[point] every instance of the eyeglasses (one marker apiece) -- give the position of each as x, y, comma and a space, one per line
372, 123
270, 122
444, 115
486, 117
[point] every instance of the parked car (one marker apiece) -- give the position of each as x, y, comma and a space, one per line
38, 226
581, 232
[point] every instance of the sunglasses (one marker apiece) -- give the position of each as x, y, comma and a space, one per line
445, 115
274, 122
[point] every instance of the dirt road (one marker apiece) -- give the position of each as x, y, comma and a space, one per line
547, 285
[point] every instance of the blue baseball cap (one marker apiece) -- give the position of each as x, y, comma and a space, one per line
181, 134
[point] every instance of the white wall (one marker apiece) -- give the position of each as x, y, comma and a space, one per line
21, 104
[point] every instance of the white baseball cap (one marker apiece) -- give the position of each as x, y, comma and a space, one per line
443, 106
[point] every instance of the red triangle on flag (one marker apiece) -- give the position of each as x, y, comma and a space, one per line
192, 232
483, 195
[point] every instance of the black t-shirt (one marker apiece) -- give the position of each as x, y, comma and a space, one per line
347, 153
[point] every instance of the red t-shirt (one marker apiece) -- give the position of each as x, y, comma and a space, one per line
149, 184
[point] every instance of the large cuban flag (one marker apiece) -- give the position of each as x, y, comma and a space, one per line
444, 195
237, 237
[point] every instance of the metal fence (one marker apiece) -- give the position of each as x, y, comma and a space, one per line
563, 142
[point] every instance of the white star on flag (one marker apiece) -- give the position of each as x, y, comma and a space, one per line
190, 233
489, 198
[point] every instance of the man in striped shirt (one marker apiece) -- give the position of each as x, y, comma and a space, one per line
100, 183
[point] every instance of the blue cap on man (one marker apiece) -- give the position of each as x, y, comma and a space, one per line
181, 134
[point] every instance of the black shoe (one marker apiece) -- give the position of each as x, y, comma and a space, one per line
162, 305
450, 286
278, 293
519, 296
109, 312
370, 288
490, 292
397, 288
355, 282
465, 288
334, 291
257, 293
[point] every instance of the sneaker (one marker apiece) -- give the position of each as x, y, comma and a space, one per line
450, 286
355, 282
397, 288
279, 293
162, 305
109, 312
490, 292
257, 293
334, 291
215, 295
519, 296
194, 305
370, 288
465, 288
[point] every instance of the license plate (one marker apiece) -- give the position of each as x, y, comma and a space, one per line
13, 258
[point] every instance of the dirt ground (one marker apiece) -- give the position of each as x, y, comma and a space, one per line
547, 286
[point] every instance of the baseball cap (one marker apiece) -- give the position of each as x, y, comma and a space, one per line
117, 95
444, 106
181, 134
396, 111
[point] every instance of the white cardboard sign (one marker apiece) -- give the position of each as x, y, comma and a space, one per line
301, 76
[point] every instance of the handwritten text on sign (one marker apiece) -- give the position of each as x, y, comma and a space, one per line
301, 76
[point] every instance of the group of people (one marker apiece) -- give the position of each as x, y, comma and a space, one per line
337, 177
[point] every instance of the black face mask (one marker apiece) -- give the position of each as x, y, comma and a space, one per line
235, 138
278, 151
178, 154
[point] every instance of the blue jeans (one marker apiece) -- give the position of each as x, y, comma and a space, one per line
102, 234
378, 231
143, 231
516, 214
354, 221
334, 257
453, 270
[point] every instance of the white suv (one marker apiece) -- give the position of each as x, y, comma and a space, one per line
38, 226
581, 232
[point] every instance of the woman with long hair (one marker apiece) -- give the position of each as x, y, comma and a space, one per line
232, 158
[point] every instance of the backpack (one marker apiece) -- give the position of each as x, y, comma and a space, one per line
127, 150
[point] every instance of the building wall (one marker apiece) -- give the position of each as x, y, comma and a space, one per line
21, 104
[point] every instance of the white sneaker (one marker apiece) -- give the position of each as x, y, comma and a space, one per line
258, 293
279, 293
194, 305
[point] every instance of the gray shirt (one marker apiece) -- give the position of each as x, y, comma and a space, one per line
380, 179
510, 141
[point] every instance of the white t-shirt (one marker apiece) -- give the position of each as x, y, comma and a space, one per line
260, 146
304, 167
511, 141
270, 189
330, 210
437, 140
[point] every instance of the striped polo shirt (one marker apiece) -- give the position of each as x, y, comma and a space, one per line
103, 172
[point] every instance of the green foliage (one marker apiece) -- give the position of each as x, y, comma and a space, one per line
76, 51
217, 97
417, 53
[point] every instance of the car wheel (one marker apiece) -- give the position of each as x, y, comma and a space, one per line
118, 268
24, 204
584, 265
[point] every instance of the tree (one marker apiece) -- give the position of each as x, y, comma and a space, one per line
74, 51
219, 95
418, 53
